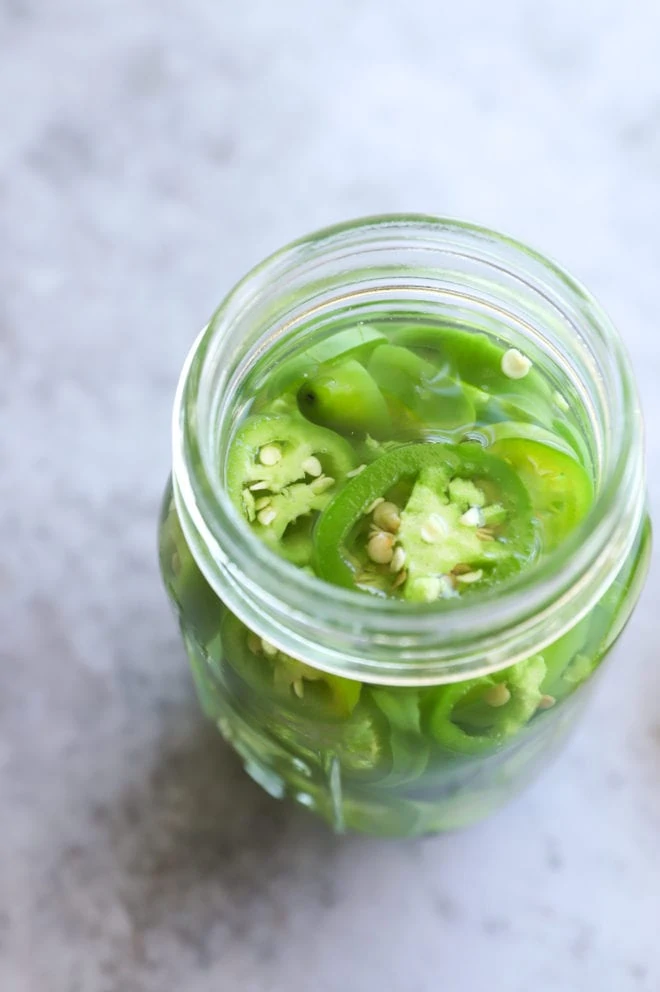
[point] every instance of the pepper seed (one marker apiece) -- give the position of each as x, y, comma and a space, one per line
386, 516
484, 534
312, 466
321, 484
497, 695
514, 364
472, 517
270, 454
434, 529
355, 471
372, 506
268, 649
398, 559
266, 517
400, 579
470, 577
257, 486
262, 502
380, 548
546, 702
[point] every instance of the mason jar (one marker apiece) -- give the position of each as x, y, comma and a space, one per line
378, 742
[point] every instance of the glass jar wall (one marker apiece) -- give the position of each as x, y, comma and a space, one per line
387, 716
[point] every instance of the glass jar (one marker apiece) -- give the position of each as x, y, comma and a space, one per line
376, 743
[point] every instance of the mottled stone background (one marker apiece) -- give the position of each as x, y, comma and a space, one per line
150, 152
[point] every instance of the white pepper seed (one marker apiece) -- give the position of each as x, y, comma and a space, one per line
484, 534
380, 548
471, 577
257, 486
472, 517
266, 517
514, 364
398, 560
247, 500
546, 702
400, 579
270, 454
497, 695
372, 506
262, 503
434, 529
298, 688
321, 484
268, 649
312, 466
355, 471
386, 516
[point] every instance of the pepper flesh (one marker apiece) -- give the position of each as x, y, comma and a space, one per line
404, 465
559, 487
524, 684
345, 398
428, 396
292, 495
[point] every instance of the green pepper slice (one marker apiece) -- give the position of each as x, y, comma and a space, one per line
466, 521
408, 747
284, 678
490, 434
282, 470
562, 670
559, 487
472, 357
344, 397
355, 342
481, 714
418, 393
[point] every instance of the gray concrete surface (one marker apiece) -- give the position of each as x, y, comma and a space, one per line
150, 152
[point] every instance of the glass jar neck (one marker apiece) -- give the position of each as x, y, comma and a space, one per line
460, 272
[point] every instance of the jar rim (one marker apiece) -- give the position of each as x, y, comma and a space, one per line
385, 640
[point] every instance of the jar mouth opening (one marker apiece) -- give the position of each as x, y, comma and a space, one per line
353, 633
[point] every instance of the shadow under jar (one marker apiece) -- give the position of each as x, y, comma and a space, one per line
392, 695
